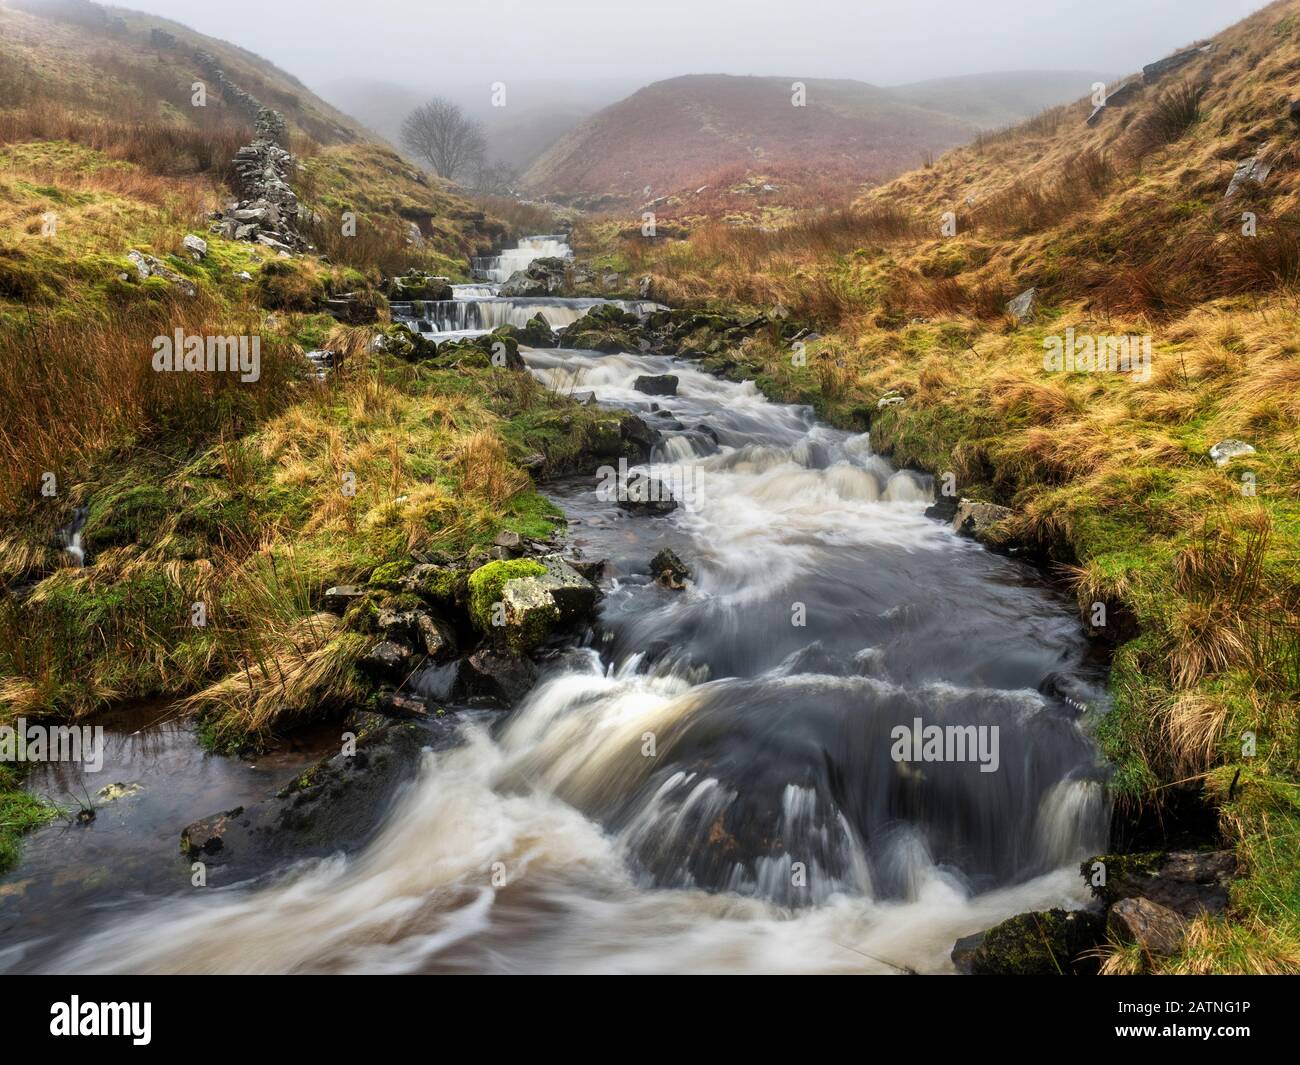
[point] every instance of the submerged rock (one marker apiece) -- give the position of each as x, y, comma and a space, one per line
332, 806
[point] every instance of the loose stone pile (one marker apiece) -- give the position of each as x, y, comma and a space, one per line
268, 211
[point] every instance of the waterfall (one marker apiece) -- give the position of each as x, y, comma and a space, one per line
498, 268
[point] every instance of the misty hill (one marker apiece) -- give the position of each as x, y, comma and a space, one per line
536, 114
131, 66
680, 132
992, 101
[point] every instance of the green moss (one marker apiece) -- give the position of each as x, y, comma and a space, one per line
20, 812
486, 584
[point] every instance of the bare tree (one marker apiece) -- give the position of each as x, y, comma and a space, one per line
439, 133
494, 179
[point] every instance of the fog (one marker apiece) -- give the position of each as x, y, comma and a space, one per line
451, 46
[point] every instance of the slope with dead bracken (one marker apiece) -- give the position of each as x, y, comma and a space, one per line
1125, 227
677, 133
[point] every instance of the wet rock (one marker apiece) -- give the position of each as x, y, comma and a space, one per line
206, 836
644, 494
537, 333
592, 569
519, 284
388, 657
669, 570
196, 246
1187, 882
978, 520
944, 509
403, 707
333, 806
1159, 931
1046, 943
501, 677
659, 385
639, 437
1024, 306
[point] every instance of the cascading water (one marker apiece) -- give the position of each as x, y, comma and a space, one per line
498, 268
714, 784
475, 313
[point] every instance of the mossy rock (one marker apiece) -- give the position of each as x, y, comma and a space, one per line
403, 342
488, 582
1046, 943
1121, 870
418, 285
498, 350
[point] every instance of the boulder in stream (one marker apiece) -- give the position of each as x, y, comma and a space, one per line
979, 520
669, 570
656, 385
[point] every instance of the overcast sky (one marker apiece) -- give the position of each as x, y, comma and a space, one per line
427, 42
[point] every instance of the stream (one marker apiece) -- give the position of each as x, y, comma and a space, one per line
709, 785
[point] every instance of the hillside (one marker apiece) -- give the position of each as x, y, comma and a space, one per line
538, 113
681, 133
992, 101
130, 66
1170, 217
116, 230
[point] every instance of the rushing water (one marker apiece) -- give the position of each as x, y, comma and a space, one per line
710, 785
499, 267
478, 309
